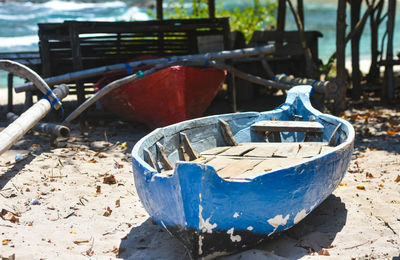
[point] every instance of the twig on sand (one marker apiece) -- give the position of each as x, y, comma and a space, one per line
369, 241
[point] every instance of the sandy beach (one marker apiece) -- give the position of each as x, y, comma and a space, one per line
78, 201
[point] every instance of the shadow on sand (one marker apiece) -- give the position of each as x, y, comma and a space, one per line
316, 231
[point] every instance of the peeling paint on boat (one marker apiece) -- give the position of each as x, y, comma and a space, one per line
277, 221
299, 216
250, 228
234, 238
236, 215
205, 226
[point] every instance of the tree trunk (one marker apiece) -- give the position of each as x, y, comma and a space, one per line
389, 50
375, 20
340, 99
355, 50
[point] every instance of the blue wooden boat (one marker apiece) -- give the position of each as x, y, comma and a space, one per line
224, 183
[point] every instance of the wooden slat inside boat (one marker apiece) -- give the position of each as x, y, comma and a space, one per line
250, 158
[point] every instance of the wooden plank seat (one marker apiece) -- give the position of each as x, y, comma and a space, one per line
248, 158
311, 128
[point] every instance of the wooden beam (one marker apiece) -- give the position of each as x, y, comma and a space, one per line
159, 9
163, 157
227, 133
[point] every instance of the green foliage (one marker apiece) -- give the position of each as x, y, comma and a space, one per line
247, 19
250, 19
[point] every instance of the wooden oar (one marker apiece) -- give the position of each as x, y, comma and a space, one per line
222, 55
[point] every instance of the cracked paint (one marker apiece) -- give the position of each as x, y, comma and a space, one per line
236, 215
234, 238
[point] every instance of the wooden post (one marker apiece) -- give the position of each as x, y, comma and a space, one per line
232, 92
76, 60
340, 102
159, 9
211, 9
355, 50
10, 92
389, 50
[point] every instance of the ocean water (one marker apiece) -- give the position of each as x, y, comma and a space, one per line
18, 21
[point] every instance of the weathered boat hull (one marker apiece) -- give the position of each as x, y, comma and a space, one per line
213, 216
168, 96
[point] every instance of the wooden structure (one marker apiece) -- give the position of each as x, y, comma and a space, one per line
74, 45
289, 55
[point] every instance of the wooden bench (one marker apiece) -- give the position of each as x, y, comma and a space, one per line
76, 45
275, 127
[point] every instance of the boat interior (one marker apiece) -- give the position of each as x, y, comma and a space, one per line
242, 160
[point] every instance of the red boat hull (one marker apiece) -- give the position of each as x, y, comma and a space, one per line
166, 97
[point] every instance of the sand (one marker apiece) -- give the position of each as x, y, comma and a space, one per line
79, 201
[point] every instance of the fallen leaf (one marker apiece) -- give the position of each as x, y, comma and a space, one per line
324, 252
109, 179
381, 185
342, 185
397, 179
360, 187
124, 145
6, 241
390, 132
369, 175
108, 212
98, 189
118, 203
92, 161
78, 242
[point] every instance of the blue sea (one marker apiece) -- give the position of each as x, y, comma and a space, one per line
18, 21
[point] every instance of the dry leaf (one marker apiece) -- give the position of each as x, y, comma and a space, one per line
390, 132
342, 185
98, 189
360, 187
397, 179
92, 161
381, 185
124, 145
369, 175
324, 252
109, 179
118, 203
